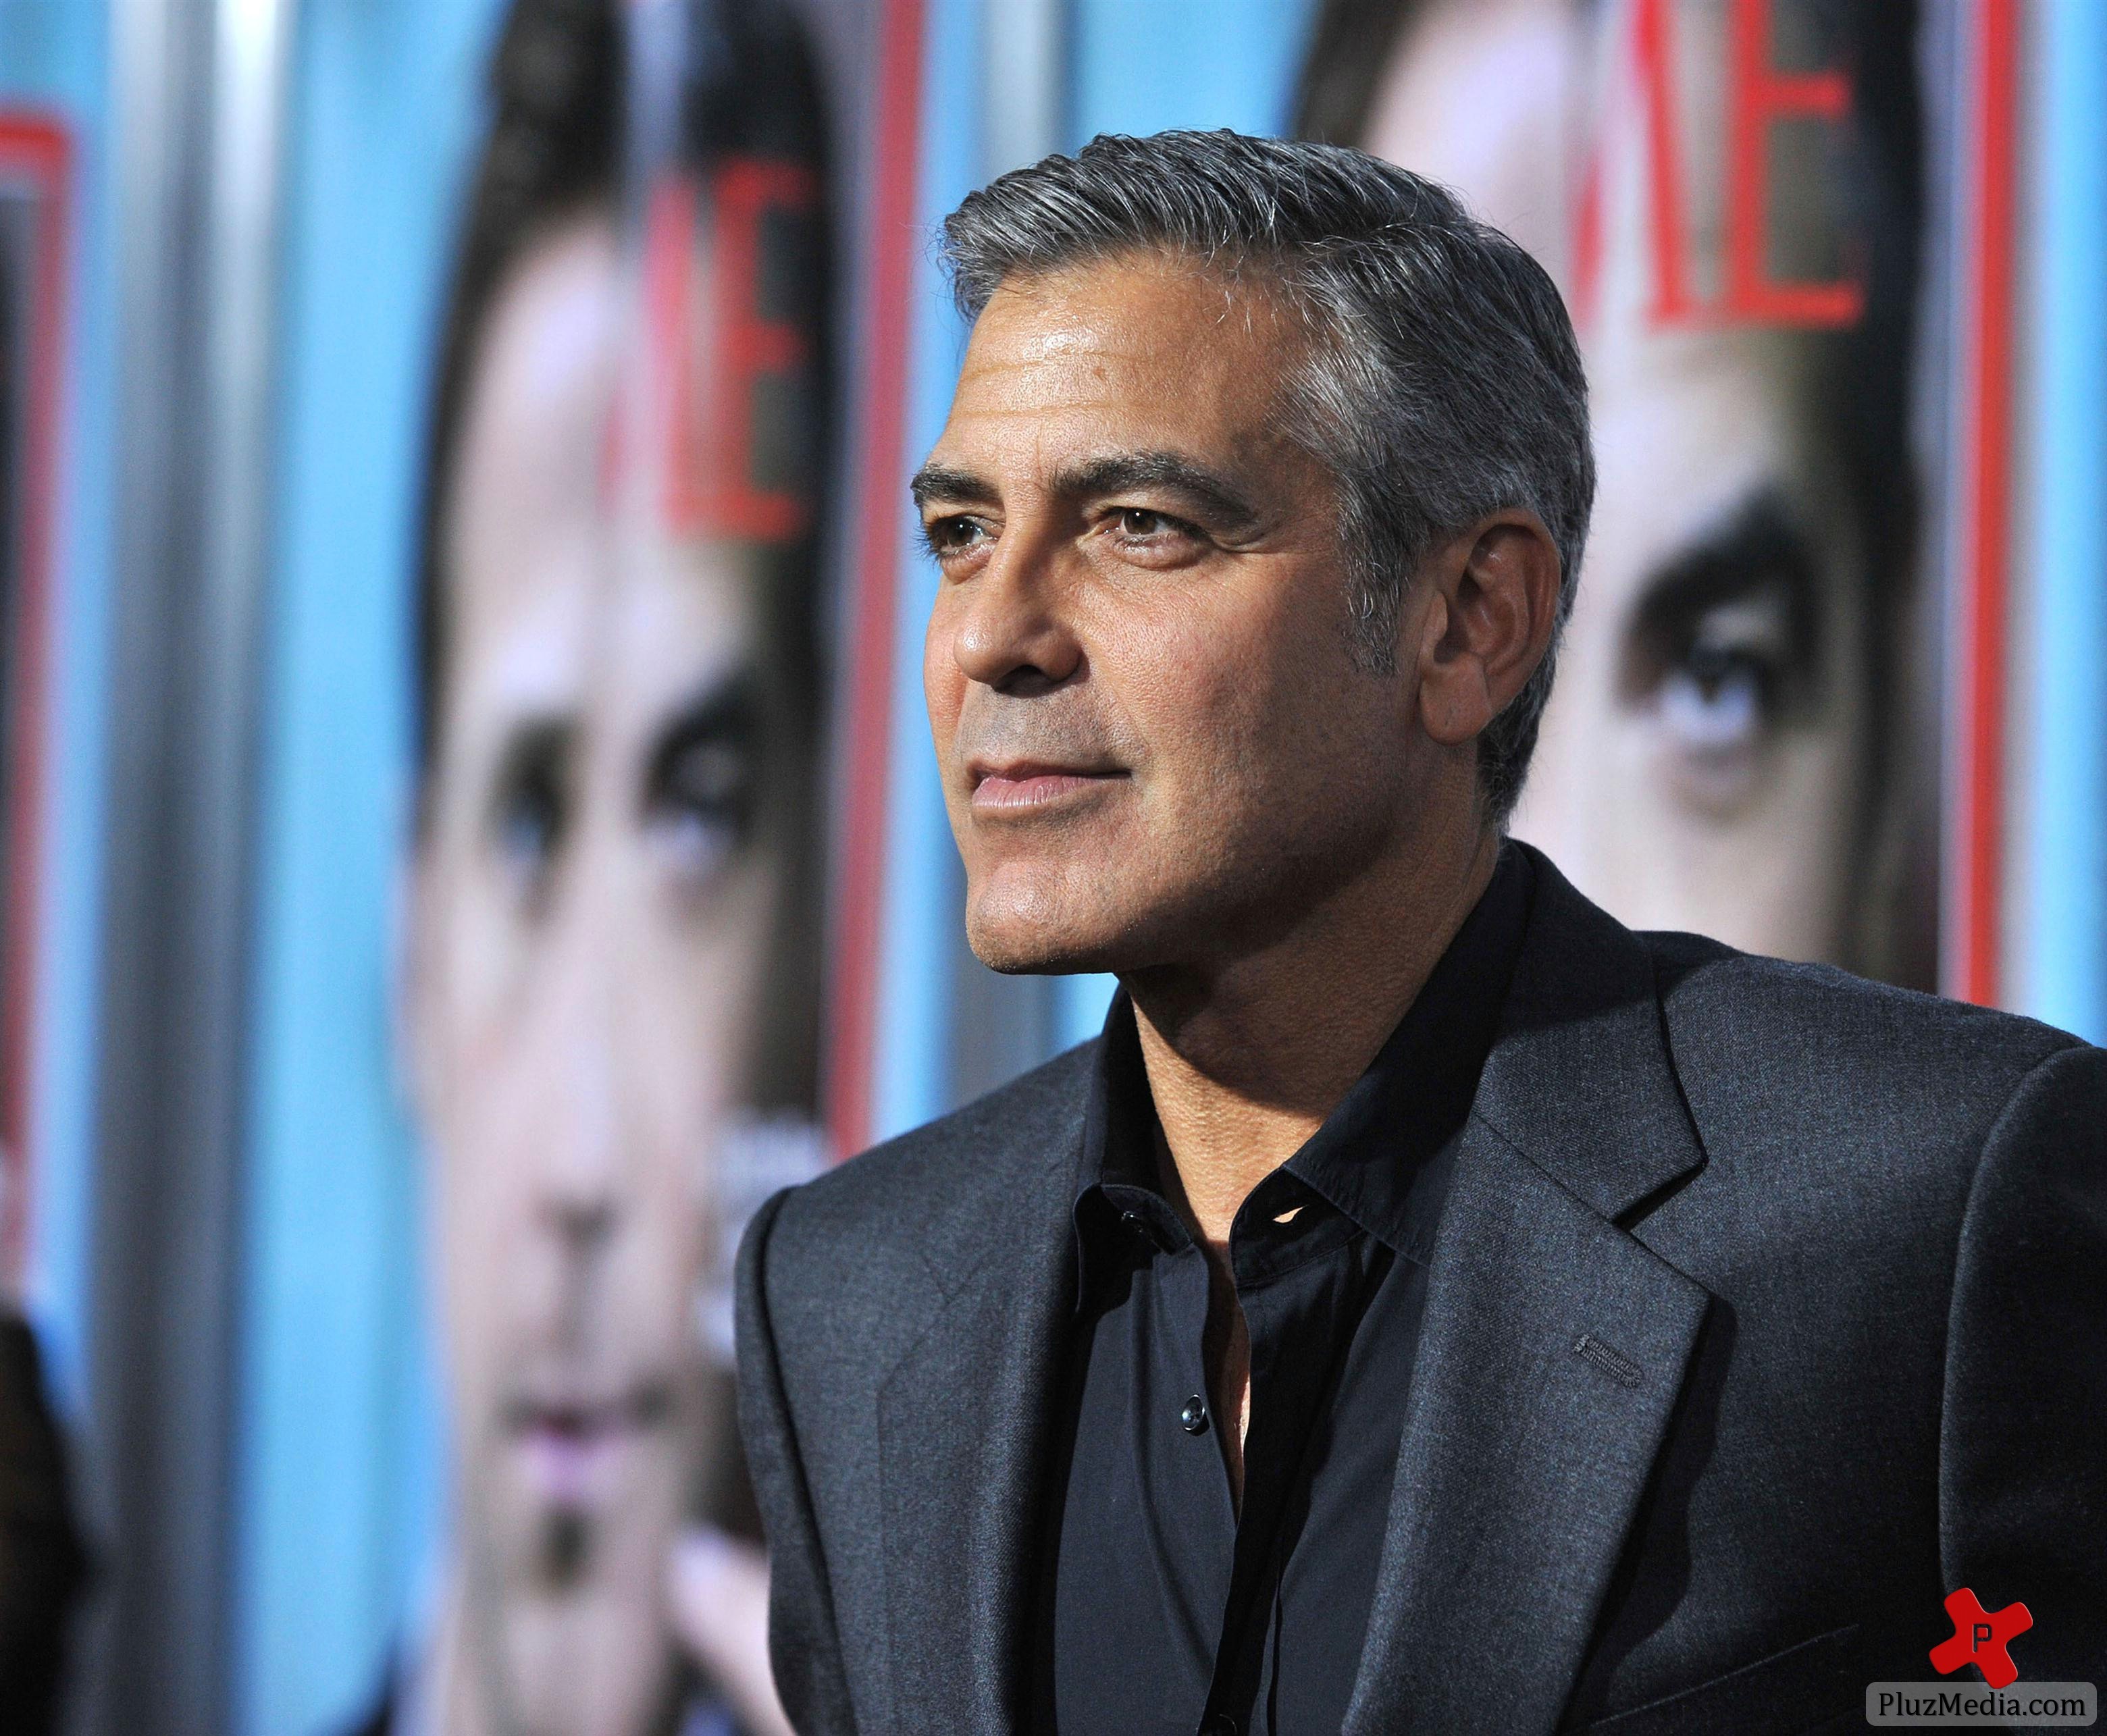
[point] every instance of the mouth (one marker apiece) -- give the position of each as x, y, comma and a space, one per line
1017, 785
573, 1447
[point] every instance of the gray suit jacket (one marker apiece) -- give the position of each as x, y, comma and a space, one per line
1769, 1307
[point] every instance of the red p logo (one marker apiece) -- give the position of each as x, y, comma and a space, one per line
1980, 1638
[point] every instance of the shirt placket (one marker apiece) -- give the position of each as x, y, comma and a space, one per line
1291, 1294
1191, 1506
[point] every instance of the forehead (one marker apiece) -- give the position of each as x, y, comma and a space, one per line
1496, 97
551, 600
522, 525
1146, 351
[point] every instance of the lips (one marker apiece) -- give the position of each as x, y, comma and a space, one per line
1025, 784
573, 1447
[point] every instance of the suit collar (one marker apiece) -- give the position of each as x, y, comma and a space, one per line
1580, 1080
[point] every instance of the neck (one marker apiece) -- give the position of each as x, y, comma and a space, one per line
1247, 1056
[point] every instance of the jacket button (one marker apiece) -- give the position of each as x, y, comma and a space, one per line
1220, 1725
1194, 1417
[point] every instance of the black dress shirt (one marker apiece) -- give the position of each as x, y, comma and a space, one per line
1168, 1610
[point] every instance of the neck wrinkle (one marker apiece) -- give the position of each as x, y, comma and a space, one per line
1243, 1073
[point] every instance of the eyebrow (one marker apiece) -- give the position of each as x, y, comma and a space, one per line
1114, 472
727, 708
1761, 543
942, 483
536, 738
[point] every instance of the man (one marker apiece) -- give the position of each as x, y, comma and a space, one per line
1739, 743
606, 975
1430, 1305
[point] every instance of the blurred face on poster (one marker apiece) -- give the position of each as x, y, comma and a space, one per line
602, 989
1717, 753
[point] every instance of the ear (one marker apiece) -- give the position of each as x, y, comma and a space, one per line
1488, 624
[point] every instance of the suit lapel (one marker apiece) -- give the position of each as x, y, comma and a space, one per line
1552, 1352
963, 1428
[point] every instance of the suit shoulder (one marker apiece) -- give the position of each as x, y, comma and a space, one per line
1800, 1037
933, 1172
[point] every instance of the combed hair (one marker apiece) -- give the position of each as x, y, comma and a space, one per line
1443, 381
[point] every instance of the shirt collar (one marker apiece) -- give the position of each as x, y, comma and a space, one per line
1413, 1100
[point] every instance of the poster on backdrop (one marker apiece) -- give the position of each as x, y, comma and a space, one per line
1731, 195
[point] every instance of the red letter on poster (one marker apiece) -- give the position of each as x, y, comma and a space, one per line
750, 348
1672, 304
1761, 95
1653, 62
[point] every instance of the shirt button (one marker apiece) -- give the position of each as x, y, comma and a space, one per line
1220, 1725
1194, 1417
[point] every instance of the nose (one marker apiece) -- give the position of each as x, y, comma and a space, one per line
1011, 634
578, 1221
579, 1142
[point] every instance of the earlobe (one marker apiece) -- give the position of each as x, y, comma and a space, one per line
1452, 693
1454, 706
1488, 625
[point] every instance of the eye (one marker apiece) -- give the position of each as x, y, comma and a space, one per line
1722, 690
1721, 698
1145, 524
953, 535
1720, 658
700, 796
530, 812
1153, 538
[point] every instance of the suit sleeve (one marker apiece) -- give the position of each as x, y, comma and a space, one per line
41, 1566
804, 1648
2023, 1475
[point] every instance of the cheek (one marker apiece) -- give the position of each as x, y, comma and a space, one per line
485, 1162
1182, 673
943, 682
642, 1038
486, 1074
1238, 699
684, 1051
695, 980
710, 958
694, 986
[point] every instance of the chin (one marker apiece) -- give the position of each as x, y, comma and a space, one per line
563, 1550
1030, 954
1049, 926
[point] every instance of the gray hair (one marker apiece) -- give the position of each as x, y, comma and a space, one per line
1442, 384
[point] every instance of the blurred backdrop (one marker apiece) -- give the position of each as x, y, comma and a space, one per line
470, 832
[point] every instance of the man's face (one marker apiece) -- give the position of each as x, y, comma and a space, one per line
595, 893
1702, 762
1155, 741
